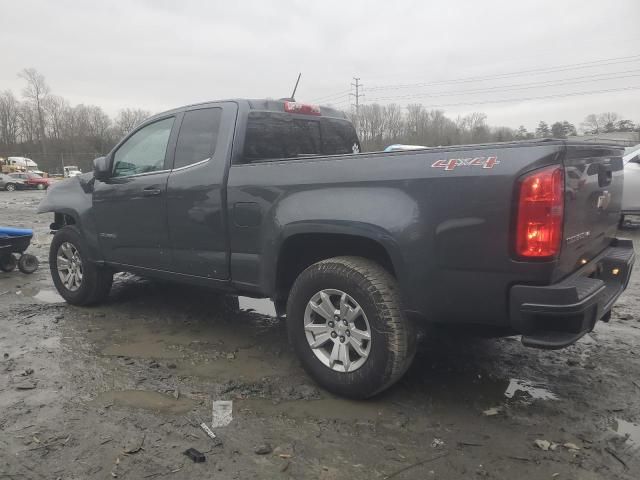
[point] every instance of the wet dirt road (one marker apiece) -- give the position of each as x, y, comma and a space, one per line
114, 391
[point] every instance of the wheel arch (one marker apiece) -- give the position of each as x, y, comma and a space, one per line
303, 245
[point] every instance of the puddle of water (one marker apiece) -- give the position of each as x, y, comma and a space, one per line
535, 391
326, 408
246, 366
629, 430
48, 296
146, 400
263, 306
142, 349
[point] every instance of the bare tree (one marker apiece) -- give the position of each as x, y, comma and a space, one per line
57, 109
36, 92
608, 120
9, 118
591, 124
127, 119
28, 123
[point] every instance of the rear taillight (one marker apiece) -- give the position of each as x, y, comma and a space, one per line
540, 213
304, 108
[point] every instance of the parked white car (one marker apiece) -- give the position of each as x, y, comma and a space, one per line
631, 193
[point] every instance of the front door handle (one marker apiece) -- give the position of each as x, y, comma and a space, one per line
151, 191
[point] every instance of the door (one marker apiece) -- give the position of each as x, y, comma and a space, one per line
196, 192
130, 208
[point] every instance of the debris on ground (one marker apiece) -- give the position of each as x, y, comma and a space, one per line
26, 385
222, 413
195, 455
492, 411
263, 449
134, 445
437, 443
545, 445
571, 446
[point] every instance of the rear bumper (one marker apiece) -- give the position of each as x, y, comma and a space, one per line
556, 316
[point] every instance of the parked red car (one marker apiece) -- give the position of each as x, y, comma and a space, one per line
32, 180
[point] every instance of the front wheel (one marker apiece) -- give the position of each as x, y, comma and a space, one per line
10, 187
78, 280
346, 324
40, 186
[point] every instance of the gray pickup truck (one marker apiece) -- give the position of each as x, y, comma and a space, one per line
273, 199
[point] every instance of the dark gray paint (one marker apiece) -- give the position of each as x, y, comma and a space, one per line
447, 233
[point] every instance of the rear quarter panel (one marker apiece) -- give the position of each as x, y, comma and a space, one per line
447, 231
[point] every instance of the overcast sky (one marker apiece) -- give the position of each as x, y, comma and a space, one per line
161, 54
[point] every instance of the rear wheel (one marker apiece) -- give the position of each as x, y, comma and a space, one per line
78, 280
40, 186
345, 322
10, 187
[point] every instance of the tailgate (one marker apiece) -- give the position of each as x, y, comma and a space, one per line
593, 198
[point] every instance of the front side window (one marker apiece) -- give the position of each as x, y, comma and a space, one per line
144, 151
198, 136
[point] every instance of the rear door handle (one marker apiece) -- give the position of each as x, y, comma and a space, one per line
151, 191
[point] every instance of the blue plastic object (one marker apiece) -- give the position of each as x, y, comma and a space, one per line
15, 232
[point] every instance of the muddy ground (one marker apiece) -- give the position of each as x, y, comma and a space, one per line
114, 392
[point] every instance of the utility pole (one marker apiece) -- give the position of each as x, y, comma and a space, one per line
357, 86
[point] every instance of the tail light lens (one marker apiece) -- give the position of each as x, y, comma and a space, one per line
304, 108
540, 213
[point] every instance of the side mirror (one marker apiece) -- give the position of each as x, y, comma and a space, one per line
101, 168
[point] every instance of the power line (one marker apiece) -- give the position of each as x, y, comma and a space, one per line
343, 93
517, 86
535, 71
544, 97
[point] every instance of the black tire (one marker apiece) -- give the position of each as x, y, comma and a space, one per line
393, 336
8, 263
10, 187
96, 280
28, 263
40, 186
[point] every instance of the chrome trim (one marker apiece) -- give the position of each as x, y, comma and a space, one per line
145, 174
191, 165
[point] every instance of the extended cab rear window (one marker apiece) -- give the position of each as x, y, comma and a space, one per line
276, 136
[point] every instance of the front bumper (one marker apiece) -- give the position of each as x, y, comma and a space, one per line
556, 316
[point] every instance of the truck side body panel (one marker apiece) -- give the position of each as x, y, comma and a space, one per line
444, 229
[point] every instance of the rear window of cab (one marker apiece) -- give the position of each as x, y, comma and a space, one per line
278, 136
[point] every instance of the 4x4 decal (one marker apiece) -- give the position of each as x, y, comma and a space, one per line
450, 164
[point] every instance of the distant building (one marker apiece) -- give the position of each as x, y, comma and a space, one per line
626, 139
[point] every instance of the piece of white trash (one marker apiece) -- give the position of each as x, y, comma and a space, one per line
222, 413
208, 431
